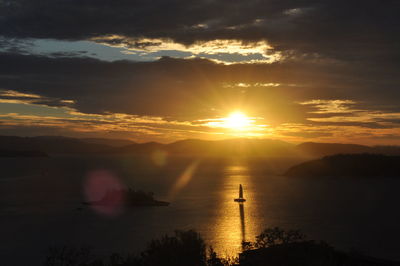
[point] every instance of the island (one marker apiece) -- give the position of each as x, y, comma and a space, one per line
128, 198
347, 165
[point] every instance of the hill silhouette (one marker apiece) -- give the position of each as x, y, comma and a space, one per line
314, 149
51, 144
29, 153
208, 148
358, 165
139, 148
109, 142
231, 147
190, 147
254, 147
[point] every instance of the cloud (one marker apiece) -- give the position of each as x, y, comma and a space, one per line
15, 94
16, 97
219, 50
346, 133
38, 119
70, 122
326, 69
189, 89
331, 107
349, 31
350, 113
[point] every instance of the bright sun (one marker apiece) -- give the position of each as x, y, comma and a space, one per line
237, 120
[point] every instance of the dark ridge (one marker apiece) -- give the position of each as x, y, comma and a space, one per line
109, 142
51, 144
191, 147
231, 147
325, 149
13, 153
139, 148
197, 147
357, 165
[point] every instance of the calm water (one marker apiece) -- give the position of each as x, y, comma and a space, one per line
40, 201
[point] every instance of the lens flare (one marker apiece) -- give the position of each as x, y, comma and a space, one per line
104, 192
183, 179
159, 157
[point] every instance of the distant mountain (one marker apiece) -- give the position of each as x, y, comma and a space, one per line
317, 150
314, 149
388, 150
109, 142
220, 148
50, 144
190, 147
13, 153
231, 147
139, 148
255, 147
357, 165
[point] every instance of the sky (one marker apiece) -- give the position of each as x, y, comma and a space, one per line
159, 70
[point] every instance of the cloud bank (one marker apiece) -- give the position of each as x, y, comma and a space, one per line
316, 66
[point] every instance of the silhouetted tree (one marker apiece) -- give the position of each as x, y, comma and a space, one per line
273, 247
213, 259
68, 256
275, 236
184, 248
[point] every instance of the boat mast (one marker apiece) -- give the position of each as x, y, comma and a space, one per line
240, 199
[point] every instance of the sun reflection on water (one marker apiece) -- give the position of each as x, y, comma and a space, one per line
234, 223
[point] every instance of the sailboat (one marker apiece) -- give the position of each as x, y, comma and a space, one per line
240, 199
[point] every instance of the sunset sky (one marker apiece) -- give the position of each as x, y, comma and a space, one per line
157, 70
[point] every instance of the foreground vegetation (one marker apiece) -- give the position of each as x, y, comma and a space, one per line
273, 246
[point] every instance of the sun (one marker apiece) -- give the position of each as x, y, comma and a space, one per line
237, 120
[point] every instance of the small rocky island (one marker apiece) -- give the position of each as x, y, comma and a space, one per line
128, 198
349, 165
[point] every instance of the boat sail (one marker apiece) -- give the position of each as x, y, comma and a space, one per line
240, 199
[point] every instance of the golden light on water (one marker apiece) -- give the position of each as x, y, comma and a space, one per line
235, 223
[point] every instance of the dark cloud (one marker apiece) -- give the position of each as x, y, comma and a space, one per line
334, 50
12, 45
346, 30
68, 54
77, 19
372, 125
182, 88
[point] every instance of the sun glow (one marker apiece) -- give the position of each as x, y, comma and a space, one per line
237, 120
238, 124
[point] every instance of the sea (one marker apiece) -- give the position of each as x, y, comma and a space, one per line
41, 205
